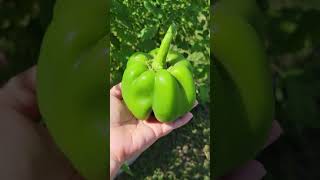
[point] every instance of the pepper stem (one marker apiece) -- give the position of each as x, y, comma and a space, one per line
160, 59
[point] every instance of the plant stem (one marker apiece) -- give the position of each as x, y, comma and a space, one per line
160, 59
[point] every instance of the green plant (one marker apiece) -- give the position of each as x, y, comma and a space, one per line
72, 84
160, 81
243, 94
192, 41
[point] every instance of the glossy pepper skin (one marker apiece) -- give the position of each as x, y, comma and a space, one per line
243, 96
72, 84
161, 81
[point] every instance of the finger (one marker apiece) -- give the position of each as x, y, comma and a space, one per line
168, 127
195, 104
253, 170
181, 121
116, 91
26, 80
161, 129
275, 133
20, 94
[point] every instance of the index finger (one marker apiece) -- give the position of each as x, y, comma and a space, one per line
19, 94
116, 91
274, 134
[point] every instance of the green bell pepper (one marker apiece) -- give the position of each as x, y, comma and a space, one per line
161, 81
243, 96
72, 84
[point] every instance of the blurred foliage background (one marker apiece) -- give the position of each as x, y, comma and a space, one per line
141, 25
22, 26
293, 46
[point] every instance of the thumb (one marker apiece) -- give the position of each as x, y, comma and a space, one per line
19, 94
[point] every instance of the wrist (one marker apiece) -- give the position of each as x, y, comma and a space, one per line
115, 165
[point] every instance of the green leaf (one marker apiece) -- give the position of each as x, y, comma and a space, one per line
125, 168
301, 103
152, 9
204, 94
148, 32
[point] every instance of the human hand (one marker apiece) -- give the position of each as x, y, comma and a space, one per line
129, 137
30, 152
27, 150
254, 170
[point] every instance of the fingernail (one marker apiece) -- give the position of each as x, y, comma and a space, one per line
257, 170
195, 104
188, 117
277, 127
275, 133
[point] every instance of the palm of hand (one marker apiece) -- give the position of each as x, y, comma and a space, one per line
28, 152
129, 137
